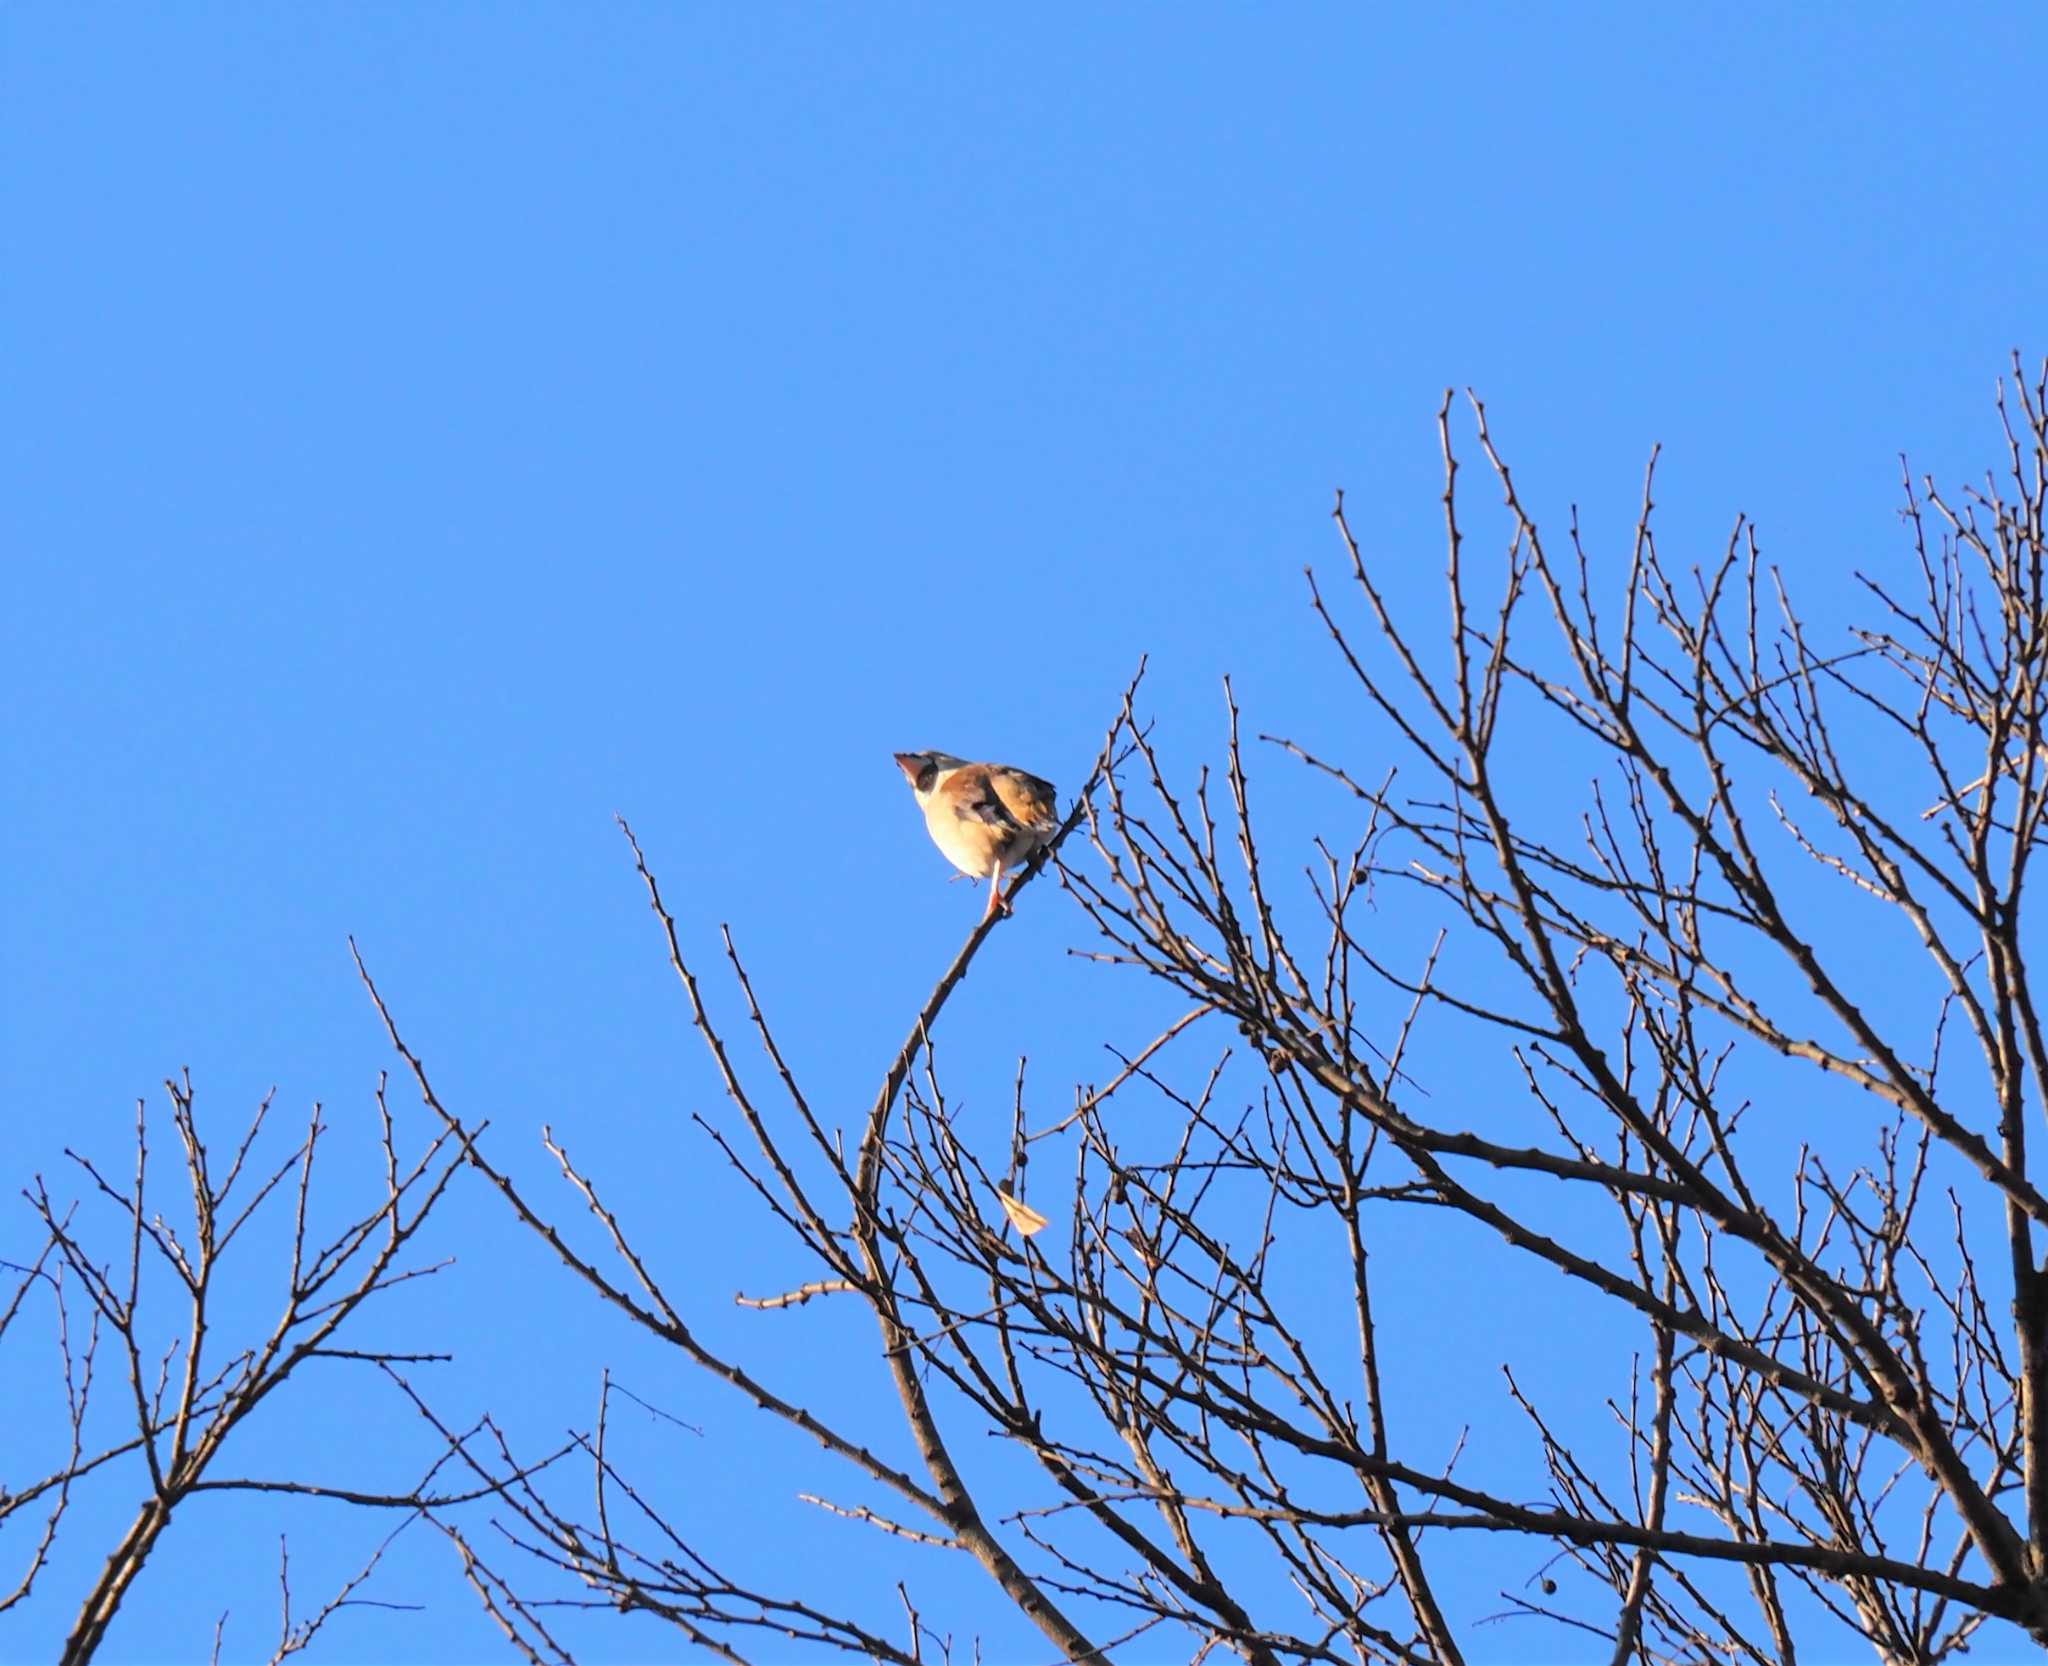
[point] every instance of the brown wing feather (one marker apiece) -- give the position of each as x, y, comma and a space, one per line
970, 794
1031, 802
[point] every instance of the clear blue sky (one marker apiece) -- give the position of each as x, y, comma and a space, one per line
428, 430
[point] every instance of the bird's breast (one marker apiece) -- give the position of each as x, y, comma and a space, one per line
972, 845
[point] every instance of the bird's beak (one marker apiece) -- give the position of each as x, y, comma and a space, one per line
910, 763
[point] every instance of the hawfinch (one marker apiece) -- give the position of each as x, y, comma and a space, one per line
983, 817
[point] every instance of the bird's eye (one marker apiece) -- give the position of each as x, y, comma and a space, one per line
927, 777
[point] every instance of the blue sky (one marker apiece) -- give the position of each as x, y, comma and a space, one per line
432, 430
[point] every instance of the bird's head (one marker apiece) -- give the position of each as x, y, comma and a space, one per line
923, 769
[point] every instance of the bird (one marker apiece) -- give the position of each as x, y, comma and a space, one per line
983, 817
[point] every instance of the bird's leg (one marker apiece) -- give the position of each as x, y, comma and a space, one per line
995, 894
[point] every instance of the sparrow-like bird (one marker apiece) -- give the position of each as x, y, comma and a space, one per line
983, 817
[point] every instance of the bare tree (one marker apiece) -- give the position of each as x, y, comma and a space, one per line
152, 1387
1740, 901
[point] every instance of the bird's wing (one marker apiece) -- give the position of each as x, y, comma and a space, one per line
972, 794
1031, 802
